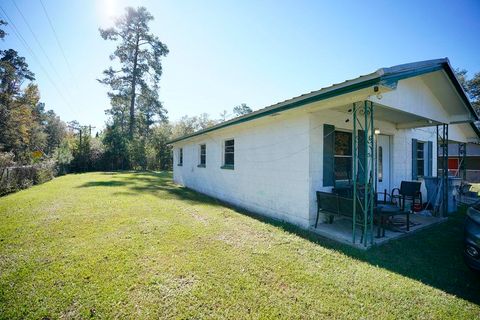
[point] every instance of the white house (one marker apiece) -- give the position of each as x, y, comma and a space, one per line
273, 161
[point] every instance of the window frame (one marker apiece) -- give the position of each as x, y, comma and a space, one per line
180, 157
200, 155
226, 165
337, 156
422, 159
380, 164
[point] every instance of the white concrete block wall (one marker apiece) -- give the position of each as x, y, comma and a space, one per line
271, 166
279, 163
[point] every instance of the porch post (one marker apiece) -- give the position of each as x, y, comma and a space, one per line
355, 169
372, 178
366, 170
445, 186
442, 171
462, 158
363, 189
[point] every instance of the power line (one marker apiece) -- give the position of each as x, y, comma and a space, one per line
29, 49
59, 44
41, 47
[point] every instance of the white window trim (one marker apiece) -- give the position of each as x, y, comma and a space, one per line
180, 155
424, 159
342, 156
200, 164
229, 166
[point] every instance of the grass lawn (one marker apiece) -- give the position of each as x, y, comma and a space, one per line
133, 245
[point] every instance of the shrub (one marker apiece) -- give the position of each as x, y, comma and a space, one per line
45, 171
14, 177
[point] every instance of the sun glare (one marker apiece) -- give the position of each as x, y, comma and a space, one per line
107, 10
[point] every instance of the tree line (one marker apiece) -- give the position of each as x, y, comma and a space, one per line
137, 129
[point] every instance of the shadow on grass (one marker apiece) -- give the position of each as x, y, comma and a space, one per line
110, 183
432, 256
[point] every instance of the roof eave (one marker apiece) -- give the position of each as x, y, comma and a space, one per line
384, 75
330, 92
461, 91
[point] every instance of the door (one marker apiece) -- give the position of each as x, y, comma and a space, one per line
383, 163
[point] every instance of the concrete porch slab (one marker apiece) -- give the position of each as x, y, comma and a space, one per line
341, 230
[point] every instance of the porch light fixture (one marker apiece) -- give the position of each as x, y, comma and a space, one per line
377, 131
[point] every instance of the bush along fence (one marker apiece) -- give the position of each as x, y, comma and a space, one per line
14, 178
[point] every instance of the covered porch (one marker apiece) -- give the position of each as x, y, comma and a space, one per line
378, 134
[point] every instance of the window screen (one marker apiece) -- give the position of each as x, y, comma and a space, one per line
203, 154
229, 150
343, 155
420, 159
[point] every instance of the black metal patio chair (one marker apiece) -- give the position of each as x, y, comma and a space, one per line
409, 191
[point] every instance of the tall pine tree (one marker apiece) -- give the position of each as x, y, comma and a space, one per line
139, 54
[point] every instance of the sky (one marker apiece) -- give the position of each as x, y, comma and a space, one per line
224, 53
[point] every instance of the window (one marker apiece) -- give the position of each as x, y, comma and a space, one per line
420, 159
180, 157
203, 155
343, 155
380, 164
229, 154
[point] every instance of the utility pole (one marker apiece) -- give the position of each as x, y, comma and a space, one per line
90, 127
75, 126
82, 130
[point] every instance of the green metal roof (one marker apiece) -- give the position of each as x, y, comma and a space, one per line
383, 76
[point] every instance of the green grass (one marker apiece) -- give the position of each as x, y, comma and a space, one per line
133, 245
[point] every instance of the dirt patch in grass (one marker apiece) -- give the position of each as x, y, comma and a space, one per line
241, 236
194, 213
